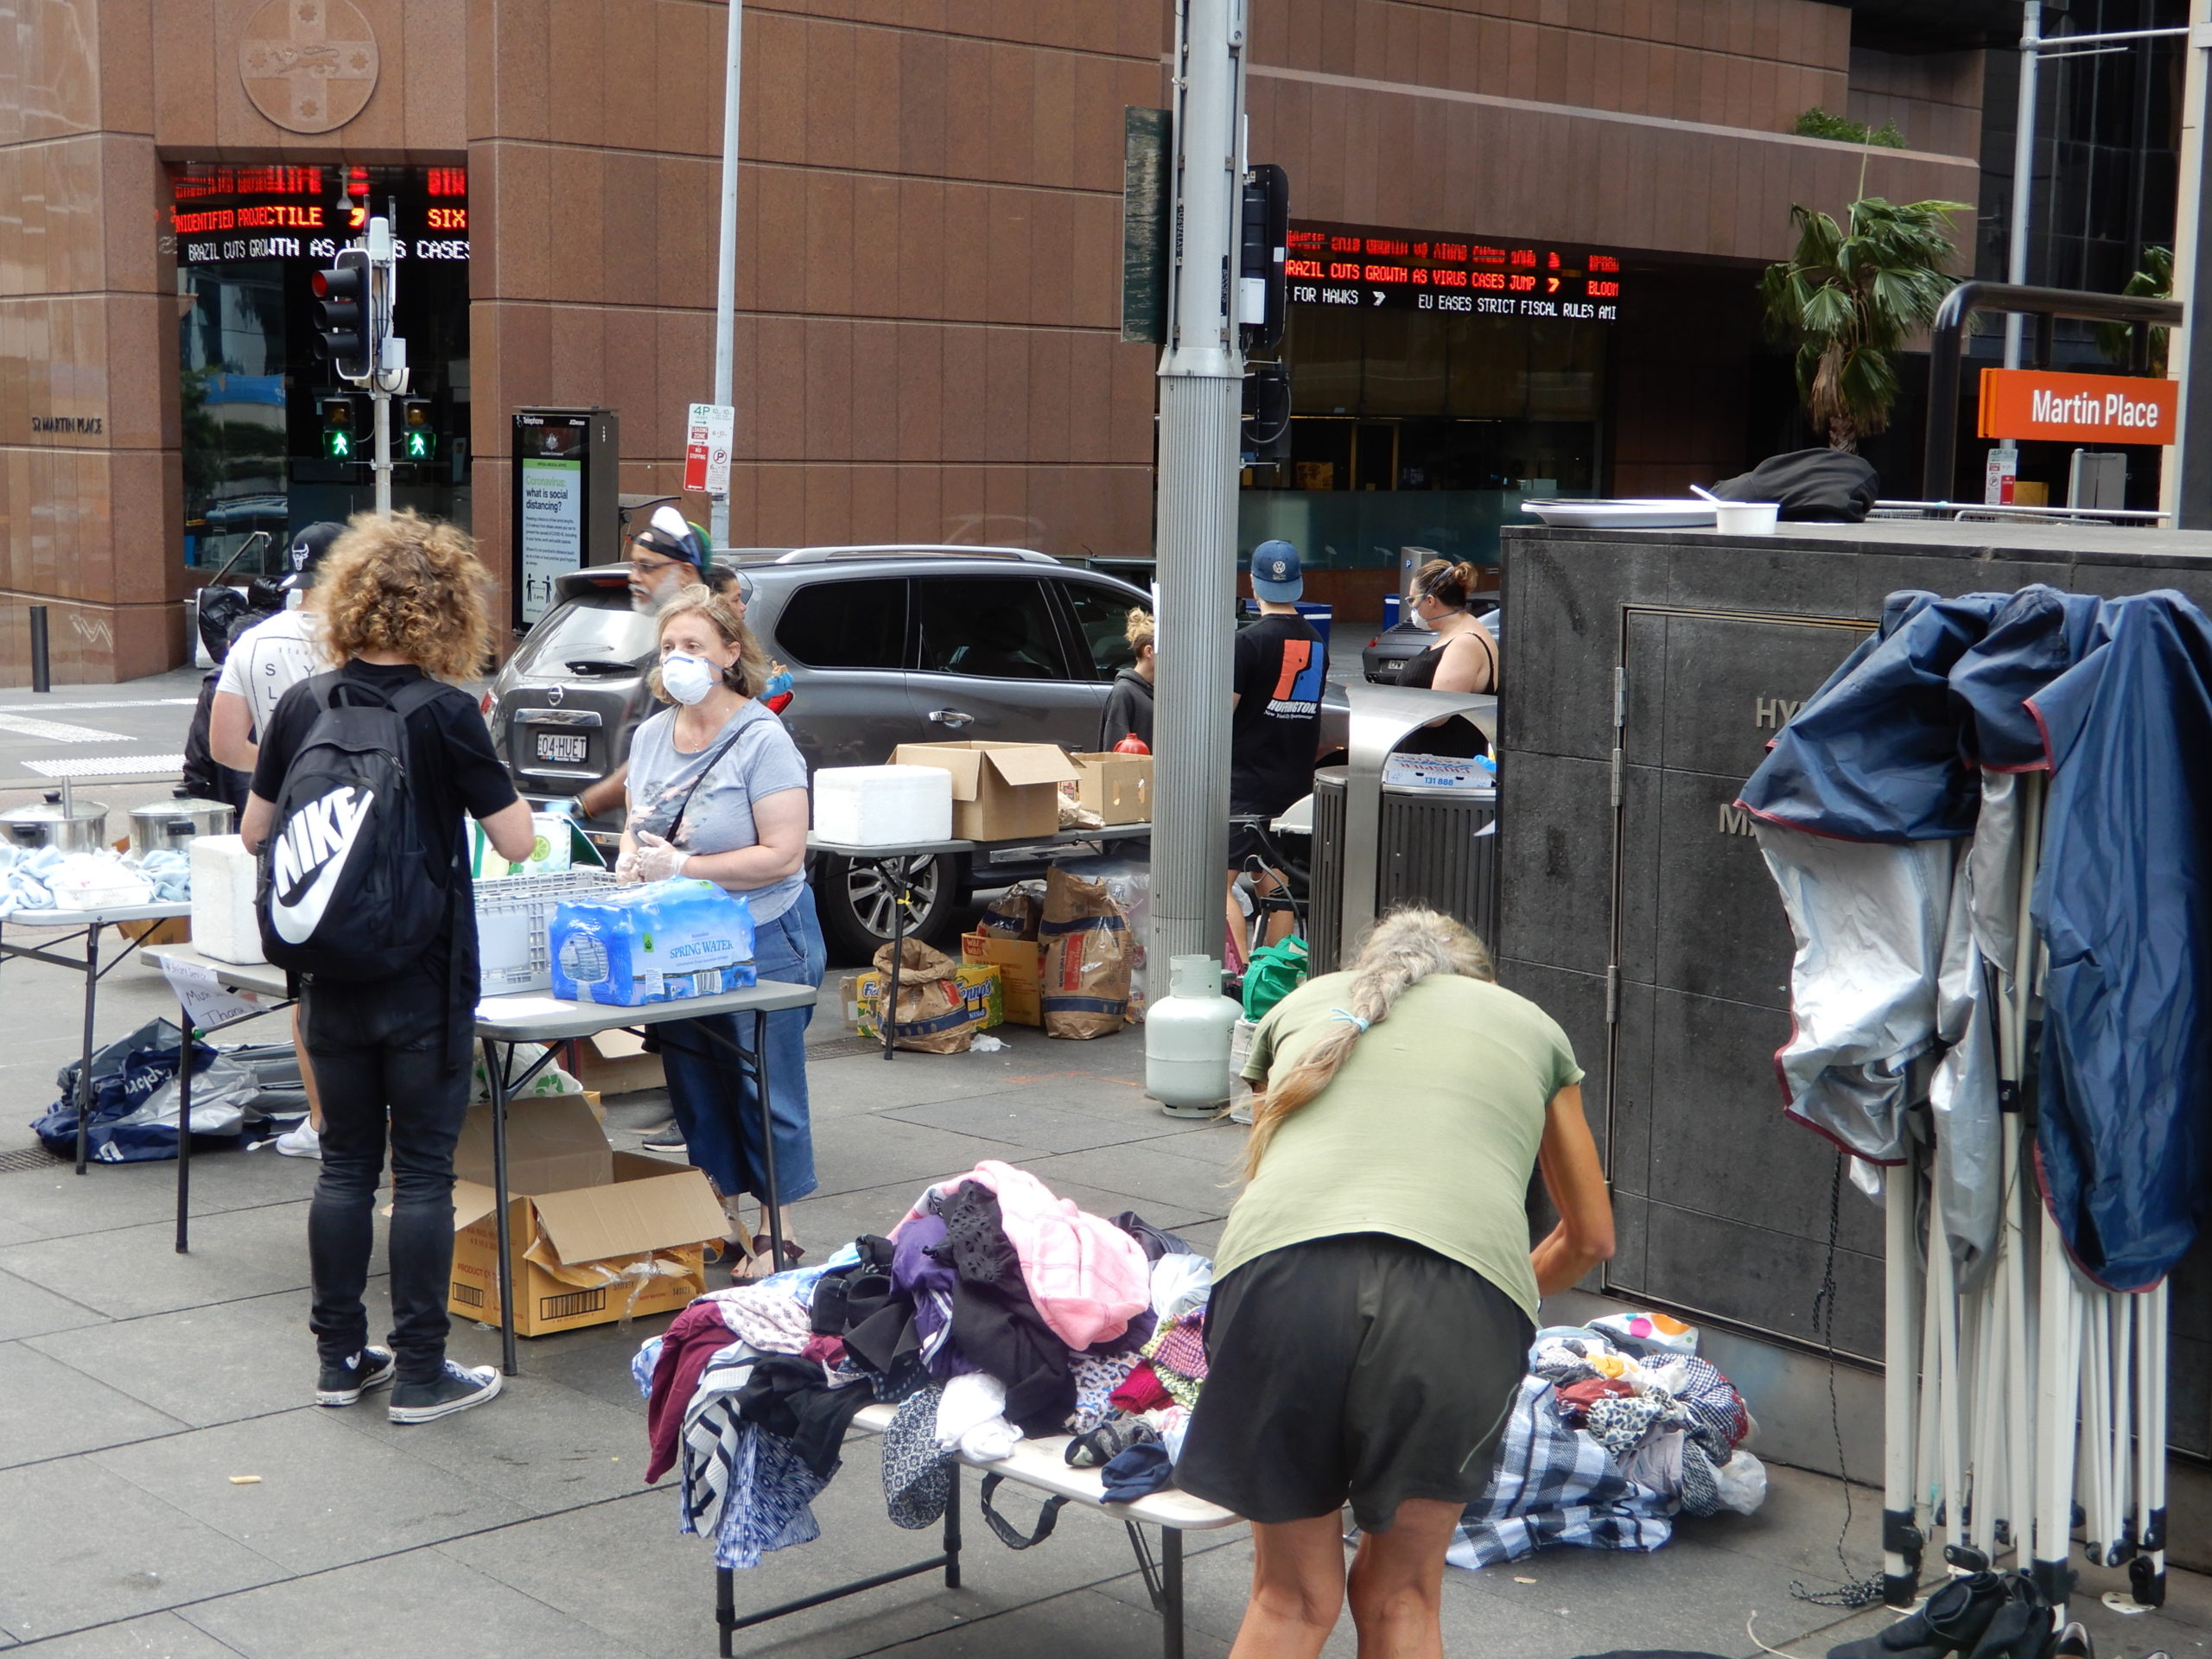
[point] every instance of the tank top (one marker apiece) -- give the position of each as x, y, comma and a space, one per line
1457, 737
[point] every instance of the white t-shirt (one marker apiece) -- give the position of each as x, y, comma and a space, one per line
269, 658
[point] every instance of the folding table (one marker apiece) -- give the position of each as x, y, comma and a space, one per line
89, 922
501, 1023
890, 865
1040, 1463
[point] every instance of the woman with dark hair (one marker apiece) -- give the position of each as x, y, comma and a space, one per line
1376, 1294
718, 790
1465, 657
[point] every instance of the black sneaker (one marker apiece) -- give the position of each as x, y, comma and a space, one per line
456, 1389
340, 1382
668, 1138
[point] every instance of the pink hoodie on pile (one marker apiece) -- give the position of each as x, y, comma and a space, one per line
1087, 1277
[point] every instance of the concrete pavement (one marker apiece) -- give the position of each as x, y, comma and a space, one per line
135, 1383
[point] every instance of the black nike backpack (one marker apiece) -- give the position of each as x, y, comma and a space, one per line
347, 889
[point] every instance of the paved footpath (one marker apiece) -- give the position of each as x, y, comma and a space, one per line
134, 1383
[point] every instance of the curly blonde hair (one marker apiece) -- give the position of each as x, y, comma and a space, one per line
409, 585
749, 673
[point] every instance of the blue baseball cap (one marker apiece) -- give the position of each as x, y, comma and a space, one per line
1275, 573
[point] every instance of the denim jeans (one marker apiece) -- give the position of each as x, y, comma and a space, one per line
382, 1064
713, 1100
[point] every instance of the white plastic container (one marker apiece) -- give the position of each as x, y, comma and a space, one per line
1745, 518
882, 806
1187, 1038
224, 874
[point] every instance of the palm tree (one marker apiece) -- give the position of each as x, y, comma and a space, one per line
1850, 298
2154, 280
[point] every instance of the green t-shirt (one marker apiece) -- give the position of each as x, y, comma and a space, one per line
1427, 1132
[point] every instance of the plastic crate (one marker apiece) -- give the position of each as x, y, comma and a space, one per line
513, 914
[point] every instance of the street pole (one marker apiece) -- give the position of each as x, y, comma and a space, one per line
2024, 171
1201, 396
384, 277
2185, 469
725, 262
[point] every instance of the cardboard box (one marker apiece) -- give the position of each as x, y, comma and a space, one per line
1001, 791
1117, 787
598, 1235
1020, 964
612, 1063
861, 995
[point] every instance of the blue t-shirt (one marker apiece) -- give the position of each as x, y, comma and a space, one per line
715, 789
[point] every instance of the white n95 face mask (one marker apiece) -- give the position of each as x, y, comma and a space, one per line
687, 678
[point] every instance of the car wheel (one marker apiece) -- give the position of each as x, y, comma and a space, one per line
855, 903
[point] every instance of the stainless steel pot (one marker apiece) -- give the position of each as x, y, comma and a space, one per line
78, 827
171, 824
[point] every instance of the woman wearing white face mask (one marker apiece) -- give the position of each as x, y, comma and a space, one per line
717, 791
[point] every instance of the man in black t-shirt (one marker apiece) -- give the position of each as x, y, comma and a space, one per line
1276, 727
399, 596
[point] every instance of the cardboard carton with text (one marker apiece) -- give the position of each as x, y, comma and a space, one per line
598, 1235
1117, 787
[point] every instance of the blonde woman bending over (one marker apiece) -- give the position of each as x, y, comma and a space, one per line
1375, 1293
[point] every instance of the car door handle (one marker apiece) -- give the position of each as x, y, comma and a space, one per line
955, 718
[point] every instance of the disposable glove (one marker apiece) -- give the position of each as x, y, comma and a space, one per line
656, 860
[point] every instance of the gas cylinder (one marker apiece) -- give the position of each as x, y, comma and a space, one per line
1186, 1040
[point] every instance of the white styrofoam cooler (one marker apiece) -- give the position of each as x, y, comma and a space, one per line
224, 875
882, 806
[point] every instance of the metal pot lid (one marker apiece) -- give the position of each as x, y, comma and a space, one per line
54, 812
183, 807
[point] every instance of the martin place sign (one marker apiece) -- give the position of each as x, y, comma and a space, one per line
2099, 409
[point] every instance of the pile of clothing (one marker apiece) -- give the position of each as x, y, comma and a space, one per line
46, 877
1618, 1427
993, 1311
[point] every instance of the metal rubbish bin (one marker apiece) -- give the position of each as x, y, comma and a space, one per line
1436, 846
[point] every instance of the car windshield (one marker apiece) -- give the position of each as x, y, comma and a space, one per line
592, 628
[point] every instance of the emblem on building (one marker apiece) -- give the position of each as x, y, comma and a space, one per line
308, 65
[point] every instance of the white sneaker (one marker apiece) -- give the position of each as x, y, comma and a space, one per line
301, 1142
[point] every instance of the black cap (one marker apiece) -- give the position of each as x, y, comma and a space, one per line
668, 534
305, 553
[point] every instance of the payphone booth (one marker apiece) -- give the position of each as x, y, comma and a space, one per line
565, 500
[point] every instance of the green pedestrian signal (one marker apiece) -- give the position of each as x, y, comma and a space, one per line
341, 428
421, 446
338, 445
418, 437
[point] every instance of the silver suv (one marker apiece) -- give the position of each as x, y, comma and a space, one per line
885, 645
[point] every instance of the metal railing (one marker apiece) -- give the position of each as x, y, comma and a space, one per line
1945, 357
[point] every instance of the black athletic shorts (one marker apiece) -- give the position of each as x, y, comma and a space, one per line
1363, 1367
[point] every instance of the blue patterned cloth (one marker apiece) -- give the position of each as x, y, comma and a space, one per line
1553, 1485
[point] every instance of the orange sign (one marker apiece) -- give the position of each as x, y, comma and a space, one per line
2099, 409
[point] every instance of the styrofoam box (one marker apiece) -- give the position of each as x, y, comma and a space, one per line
882, 806
224, 879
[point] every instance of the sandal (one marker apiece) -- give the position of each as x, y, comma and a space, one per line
762, 1245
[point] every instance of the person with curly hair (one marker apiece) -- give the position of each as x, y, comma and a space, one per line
718, 790
400, 600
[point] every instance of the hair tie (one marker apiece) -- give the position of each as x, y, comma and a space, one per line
1350, 1019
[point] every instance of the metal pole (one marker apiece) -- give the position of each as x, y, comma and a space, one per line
726, 260
2185, 470
1201, 388
2024, 170
42, 653
382, 464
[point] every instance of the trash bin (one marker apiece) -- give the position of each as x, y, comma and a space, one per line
1437, 848
1392, 610
1318, 617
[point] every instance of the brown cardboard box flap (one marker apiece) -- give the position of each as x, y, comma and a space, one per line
617, 1044
628, 1218
965, 764
553, 1142
1032, 763
472, 1201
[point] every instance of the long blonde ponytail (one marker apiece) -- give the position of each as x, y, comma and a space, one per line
1403, 949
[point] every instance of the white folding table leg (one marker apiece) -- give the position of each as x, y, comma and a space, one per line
1901, 1535
2057, 1375
2146, 1574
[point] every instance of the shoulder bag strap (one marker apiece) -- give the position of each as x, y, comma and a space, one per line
713, 761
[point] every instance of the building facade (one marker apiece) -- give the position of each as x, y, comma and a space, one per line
929, 263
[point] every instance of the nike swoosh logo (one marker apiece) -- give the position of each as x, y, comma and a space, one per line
310, 856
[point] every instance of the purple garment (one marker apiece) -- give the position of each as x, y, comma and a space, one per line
929, 1284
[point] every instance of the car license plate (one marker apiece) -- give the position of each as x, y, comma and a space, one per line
572, 747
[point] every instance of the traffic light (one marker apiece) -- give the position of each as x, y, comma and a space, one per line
418, 438
1263, 245
343, 437
342, 333
1266, 433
